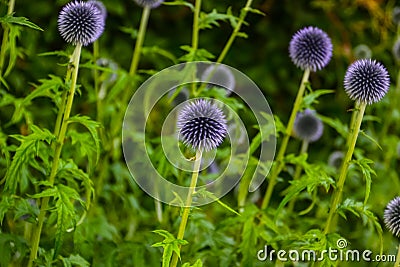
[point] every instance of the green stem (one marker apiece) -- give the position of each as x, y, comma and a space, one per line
235, 32
137, 53
96, 78
115, 132
337, 195
64, 96
186, 209
139, 41
4, 43
57, 154
195, 38
282, 150
397, 263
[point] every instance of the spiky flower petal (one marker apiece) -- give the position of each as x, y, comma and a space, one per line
366, 81
100, 6
219, 75
80, 22
201, 125
310, 48
307, 126
149, 3
391, 216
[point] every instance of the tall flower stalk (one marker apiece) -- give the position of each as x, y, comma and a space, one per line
201, 126
79, 23
4, 43
310, 49
366, 81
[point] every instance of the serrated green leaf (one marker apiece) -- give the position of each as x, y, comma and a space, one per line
312, 98
195, 55
92, 127
10, 19
47, 88
170, 245
155, 50
254, 10
6, 204
50, 192
314, 176
206, 194
364, 165
209, 20
25, 153
249, 242
65, 214
336, 124
180, 3
75, 260
198, 263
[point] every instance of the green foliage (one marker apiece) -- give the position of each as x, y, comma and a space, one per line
10, 19
25, 155
170, 245
98, 216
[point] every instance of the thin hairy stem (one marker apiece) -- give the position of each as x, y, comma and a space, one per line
186, 209
235, 32
57, 153
397, 263
136, 55
337, 195
277, 168
4, 43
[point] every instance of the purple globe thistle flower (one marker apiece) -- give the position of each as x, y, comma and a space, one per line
80, 22
149, 3
310, 48
307, 126
362, 51
219, 75
336, 159
201, 125
396, 15
396, 50
391, 216
100, 6
366, 81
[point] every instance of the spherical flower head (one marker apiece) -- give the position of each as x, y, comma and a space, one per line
362, 51
396, 15
201, 125
219, 75
396, 50
81, 22
149, 3
100, 6
366, 81
335, 159
307, 126
310, 48
391, 216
